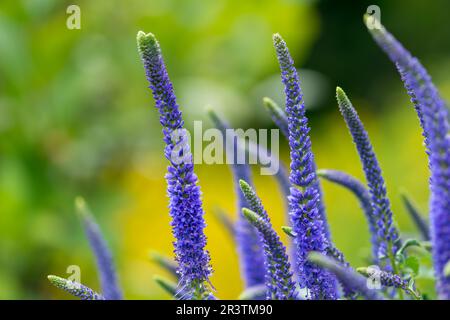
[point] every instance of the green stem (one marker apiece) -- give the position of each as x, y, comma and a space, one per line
394, 268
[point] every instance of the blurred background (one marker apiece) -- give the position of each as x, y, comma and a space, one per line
76, 118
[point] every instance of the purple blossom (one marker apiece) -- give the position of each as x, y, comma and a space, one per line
185, 197
105, 264
434, 119
304, 200
363, 195
253, 201
387, 234
388, 279
74, 288
279, 282
248, 241
352, 280
437, 140
278, 116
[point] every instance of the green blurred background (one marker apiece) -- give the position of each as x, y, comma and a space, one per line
76, 118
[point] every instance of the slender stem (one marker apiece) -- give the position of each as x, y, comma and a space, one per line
394, 269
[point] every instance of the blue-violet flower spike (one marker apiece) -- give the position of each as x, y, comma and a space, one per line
304, 200
387, 233
434, 118
352, 280
279, 277
184, 193
278, 115
74, 288
388, 279
105, 264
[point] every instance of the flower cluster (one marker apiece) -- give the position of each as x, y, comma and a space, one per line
304, 200
387, 234
320, 268
434, 119
279, 281
74, 288
184, 193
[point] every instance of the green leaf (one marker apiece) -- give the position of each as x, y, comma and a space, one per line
408, 243
412, 263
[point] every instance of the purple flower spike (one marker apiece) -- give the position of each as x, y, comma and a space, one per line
278, 116
185, 197
279, 282
388, 279
74, 288
105, 264
278, 275
352, 280
434, 119
248, 241
363, 195
304, 200
387, 233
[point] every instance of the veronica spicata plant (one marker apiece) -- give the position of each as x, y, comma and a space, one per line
319, 270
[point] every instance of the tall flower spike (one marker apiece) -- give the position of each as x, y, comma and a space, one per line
253, 201
280, 119
386, 231
304, 200
416, 216
279, 282
185, 197
363, 195
437, 140
278, 116
352, 280
434, 119
278, 275
105, 264
248, 241
74, 288
388, 279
